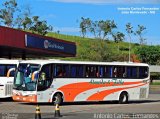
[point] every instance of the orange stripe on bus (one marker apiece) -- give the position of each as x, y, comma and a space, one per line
101, 95
72, 90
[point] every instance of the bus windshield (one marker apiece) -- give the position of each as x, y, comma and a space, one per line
4, 68
23, 77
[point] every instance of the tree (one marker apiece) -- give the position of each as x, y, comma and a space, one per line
139, 32
149, 54
93, 28
11, 16
108, 27
8, 12
96, 28
129, 32
27, 22
39, 26
118, 37
26, 18
19, 21
85, 25
100, 29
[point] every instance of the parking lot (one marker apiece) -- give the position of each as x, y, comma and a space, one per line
146, 108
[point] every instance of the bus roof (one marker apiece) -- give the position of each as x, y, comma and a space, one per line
7, 61
42, 62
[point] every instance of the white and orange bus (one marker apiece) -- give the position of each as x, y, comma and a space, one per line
6, 83
70, 81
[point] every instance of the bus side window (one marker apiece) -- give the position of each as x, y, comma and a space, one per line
97, 71
73, 70
143, 72
66, 72
92, 71
129, 72
47, 70
45, 78
58, 71
87, 71
124, 72
121, 73
2, 70
13, 72
132, 72
108, 71
115, 72
101, 71
80, 71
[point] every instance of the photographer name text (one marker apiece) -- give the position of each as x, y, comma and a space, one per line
139, 10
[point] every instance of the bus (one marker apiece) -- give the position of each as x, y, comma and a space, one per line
70, 81
6, 83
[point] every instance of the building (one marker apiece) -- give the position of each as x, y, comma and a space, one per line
19, 44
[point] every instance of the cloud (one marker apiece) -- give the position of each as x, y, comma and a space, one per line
109, 1
48, 16
67, 29
51, 16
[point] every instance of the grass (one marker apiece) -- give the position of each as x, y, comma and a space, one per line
86, 45
155, 83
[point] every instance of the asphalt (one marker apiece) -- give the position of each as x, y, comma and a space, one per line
140, 109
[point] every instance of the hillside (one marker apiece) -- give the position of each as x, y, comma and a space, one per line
97, 50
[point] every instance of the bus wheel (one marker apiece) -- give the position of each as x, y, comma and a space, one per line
57, 99
123, 98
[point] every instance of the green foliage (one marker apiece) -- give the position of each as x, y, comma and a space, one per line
38, 26
85, 25
155, 76
118, 37
149, 54
107, 27
7, 13
100, 29
155, 83
139, 32
129, 28
22, 19
96, 50
26, 23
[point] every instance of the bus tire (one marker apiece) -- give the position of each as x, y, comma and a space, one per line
57, 98
123, 98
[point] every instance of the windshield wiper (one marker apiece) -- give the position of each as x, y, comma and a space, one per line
19, 86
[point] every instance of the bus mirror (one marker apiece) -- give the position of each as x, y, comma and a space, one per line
34, 75
9, 71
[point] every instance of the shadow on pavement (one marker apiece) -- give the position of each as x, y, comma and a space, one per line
74, 103
92, 103
143, 101
6, 100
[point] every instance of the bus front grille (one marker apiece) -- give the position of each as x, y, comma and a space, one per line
8, 89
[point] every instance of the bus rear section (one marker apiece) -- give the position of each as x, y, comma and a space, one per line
6, 83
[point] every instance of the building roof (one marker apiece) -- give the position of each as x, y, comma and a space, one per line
16, 44
154, 68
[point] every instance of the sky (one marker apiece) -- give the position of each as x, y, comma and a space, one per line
65, 15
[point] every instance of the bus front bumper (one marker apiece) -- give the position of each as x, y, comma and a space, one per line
26, 98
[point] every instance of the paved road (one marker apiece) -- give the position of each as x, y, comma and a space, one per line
105, 110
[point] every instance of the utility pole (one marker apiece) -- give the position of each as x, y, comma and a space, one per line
129, 48
129, 31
